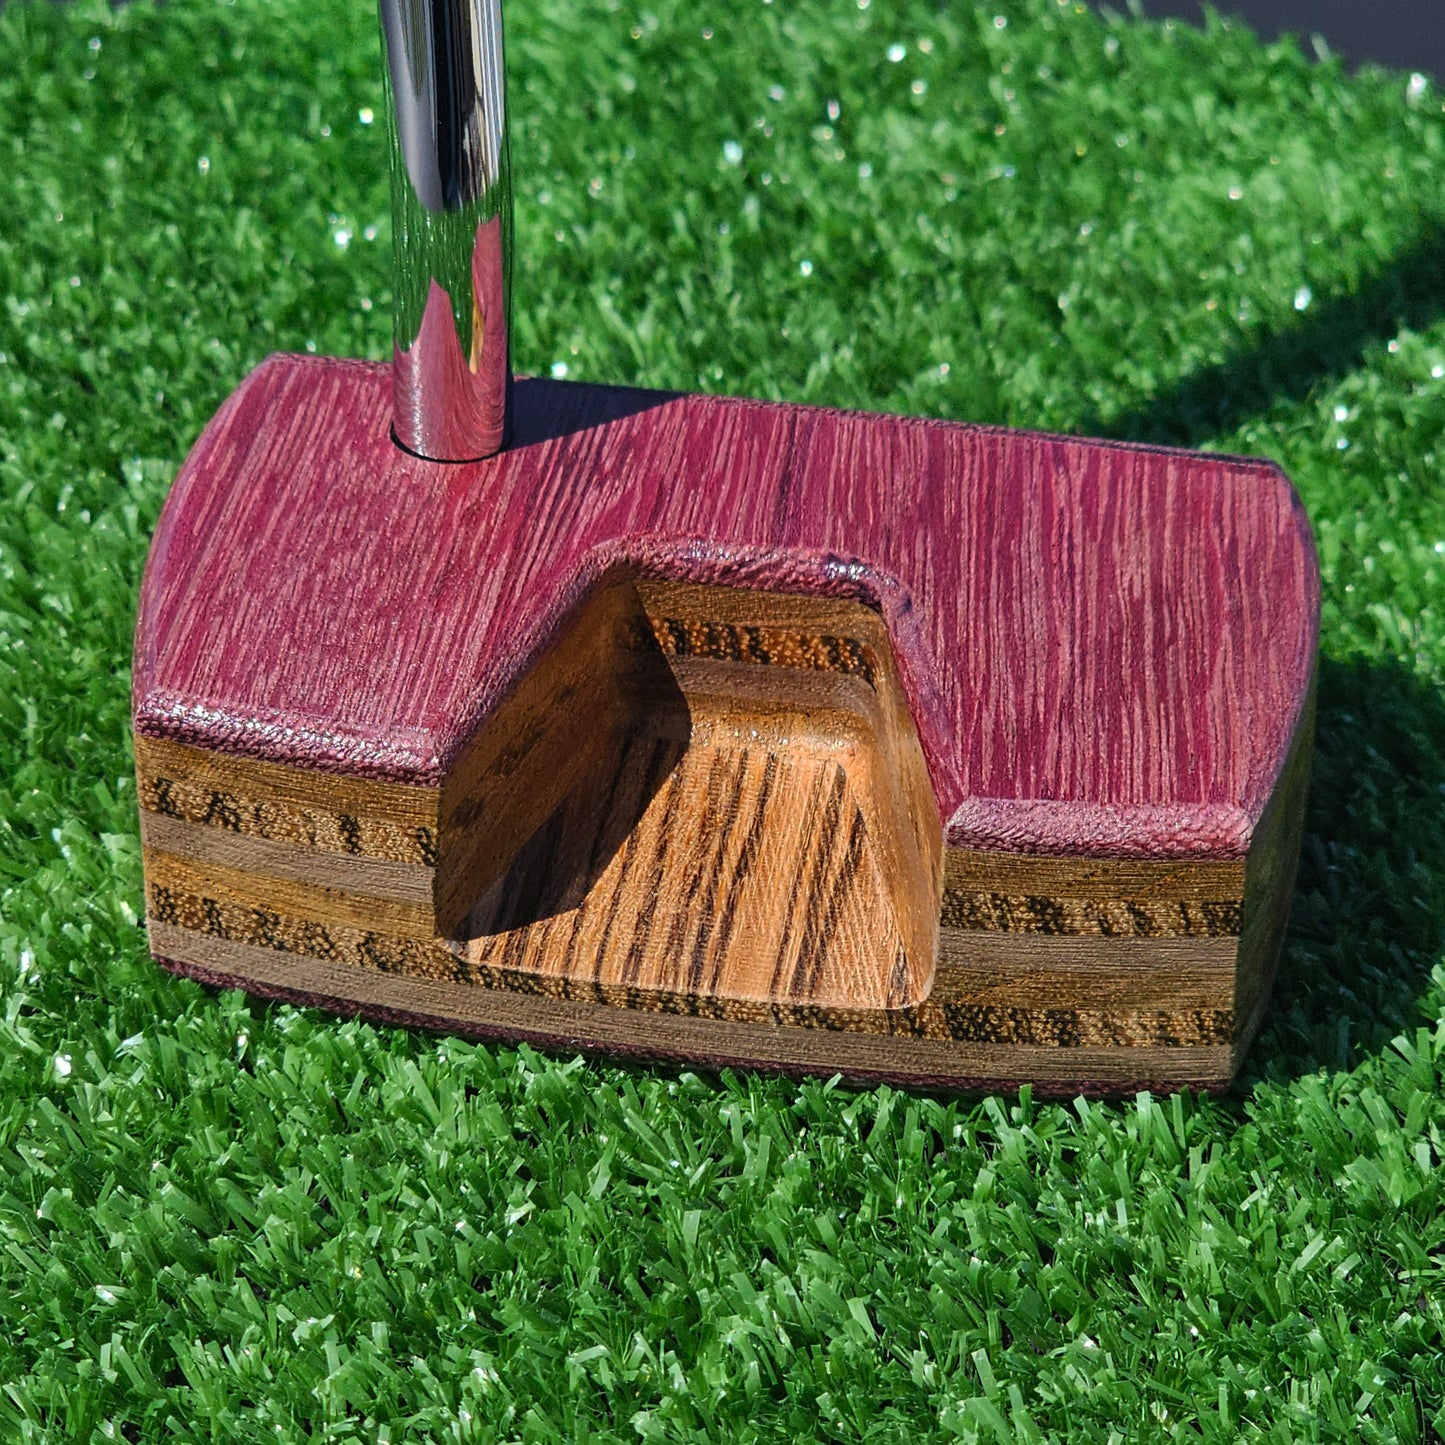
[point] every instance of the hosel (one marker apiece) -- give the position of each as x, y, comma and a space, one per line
451, 197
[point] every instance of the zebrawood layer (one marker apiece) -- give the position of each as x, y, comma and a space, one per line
708, 807
354, 817
191, 918
569, 1024
998, 959
731, 752
725, 793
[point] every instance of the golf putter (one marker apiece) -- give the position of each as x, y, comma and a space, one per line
706, 729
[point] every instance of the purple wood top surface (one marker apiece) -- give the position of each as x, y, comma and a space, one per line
1106, 647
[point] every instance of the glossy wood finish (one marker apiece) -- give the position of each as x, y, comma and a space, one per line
730, 731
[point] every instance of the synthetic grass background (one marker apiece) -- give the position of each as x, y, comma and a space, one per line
226, 1221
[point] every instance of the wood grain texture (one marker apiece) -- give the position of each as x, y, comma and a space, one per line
750, 837
693, 791
692, 728
947, 1063
1105, 648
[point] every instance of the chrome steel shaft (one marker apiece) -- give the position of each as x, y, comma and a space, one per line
451, 190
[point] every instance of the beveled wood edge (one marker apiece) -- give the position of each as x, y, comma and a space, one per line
566, 1025
1270, 872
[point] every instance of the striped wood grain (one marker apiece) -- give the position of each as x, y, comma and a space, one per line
729, 731
654, 884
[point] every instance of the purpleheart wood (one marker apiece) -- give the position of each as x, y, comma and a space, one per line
1106, 647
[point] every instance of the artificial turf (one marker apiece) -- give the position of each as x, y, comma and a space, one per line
221, 1220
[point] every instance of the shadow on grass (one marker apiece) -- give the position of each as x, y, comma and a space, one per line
1368, 923
1328, 342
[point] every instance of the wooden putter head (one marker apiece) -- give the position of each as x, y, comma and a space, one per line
710, 729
